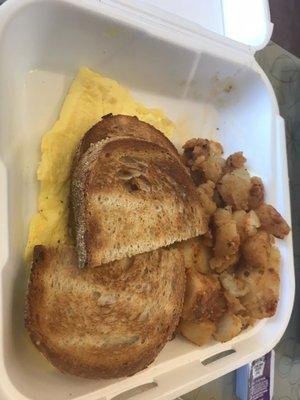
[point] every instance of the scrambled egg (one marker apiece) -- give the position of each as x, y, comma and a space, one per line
91, 96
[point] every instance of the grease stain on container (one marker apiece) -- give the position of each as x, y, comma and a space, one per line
112, 32
221, 90
221, 85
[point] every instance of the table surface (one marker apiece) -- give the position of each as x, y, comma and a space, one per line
283, 70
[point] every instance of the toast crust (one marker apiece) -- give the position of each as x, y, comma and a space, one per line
111, 126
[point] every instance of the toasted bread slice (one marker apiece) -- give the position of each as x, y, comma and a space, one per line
112, 126
130, 196
106, 322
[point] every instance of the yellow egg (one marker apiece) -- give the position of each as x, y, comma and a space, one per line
91, 96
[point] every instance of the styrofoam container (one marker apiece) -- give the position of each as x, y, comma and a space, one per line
209, 85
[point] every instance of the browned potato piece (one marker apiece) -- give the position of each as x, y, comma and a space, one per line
203, 147
208, 188
252, 223
220, 264
204, 298
275, 259
234, 188
206, 192
256, 250
197, 150
234, 304
235, 161
257, 193
222, 216
235, 286
248, 321
262, 297
199, 333
215, 148
196, 255
204, 254
272, 222
247, 223
228, 327
240, 218
227, 240
203, 157
212, 168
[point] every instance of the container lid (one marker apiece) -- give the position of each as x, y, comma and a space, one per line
245, 21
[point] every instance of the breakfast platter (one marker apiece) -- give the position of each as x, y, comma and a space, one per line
151, 251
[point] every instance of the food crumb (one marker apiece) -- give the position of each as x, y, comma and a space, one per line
228, 88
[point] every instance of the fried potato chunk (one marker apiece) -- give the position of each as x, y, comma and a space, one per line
272, 222
204, 159
199, 333
196, 255
233, 303
206, 193
233, 285
275, 259
257, 193
227, 239
247, 223
222, 216
204, 298
228, 327
212, 168
204, 304
220, 264
263, 288
256, 250
235, 161
196, 147
234, 188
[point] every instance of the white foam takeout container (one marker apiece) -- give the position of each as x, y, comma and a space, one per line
208, 84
